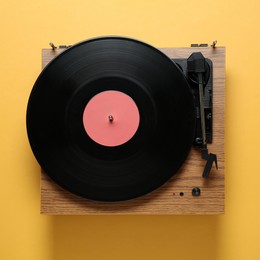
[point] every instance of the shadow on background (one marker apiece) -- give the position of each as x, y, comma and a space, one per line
135, 237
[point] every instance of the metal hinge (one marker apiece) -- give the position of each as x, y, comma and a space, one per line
213, 45
59, 47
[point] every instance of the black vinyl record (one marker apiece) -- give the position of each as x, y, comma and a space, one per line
150, 157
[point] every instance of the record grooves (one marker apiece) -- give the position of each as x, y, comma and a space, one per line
72, 158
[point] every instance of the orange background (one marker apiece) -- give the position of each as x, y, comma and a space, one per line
26, 27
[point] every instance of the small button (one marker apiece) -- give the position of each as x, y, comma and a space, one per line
195, 191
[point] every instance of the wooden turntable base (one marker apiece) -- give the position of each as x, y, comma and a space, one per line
175, 196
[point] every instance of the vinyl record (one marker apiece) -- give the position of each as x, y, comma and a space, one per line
111, 119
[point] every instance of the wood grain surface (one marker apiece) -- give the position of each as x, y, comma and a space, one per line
167, 198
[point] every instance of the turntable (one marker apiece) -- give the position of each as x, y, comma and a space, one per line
120, 127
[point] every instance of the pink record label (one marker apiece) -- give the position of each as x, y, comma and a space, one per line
111, 118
